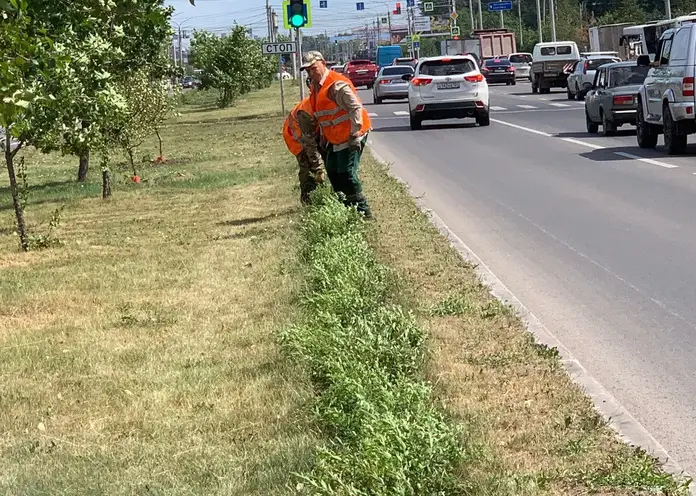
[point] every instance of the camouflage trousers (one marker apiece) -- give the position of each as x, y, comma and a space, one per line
307, 175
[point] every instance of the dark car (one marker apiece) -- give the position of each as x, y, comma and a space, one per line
611, 98
499, 71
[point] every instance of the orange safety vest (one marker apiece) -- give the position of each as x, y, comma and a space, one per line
334, 122
291, 127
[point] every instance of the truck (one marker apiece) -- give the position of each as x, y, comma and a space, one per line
387, 54
642, 39
607, 38
495, 43
548, 65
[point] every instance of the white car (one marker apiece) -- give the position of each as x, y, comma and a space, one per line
448, 87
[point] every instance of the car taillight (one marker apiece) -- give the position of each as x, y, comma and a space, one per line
511, 69
688, 86
384, 81
477, 78
421, 81
585, 66
623, 100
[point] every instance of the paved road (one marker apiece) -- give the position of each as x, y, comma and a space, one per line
593, 234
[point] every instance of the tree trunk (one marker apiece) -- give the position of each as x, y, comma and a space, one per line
16, 201
106, 184
160, 140
84, 160
132, 162
84, 167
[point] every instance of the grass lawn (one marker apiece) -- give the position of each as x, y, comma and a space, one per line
140, 357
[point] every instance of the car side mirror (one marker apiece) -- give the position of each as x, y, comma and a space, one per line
587, 86
407, 77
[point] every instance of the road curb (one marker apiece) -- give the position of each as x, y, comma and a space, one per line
626, 426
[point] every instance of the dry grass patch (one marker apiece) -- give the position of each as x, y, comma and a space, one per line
531, 428
140, 357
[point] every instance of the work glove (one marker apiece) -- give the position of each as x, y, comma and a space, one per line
319, 176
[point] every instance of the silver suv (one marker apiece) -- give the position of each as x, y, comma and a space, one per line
666, 99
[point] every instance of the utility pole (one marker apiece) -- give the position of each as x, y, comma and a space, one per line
181, 56
298, 35
480, 15
552, 12
519, 14
281, 72
539, 26
668, 9
471, 12
502, 20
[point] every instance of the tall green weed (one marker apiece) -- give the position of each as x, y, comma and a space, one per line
365, 355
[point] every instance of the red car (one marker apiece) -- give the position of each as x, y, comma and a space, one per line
361, 73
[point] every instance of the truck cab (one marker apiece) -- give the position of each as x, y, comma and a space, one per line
548, 61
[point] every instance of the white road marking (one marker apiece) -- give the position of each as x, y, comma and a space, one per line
559, 104
647, 160
590, 145
401, 112
584, 143
497, 108
526, 106
371, 114
522, 128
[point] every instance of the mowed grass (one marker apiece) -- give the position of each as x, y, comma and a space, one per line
531, 430
140, 357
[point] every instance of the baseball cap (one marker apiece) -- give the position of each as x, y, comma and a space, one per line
310, 59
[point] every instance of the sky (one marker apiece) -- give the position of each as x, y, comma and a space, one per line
220, 15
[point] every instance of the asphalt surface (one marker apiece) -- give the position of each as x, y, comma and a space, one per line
594, 235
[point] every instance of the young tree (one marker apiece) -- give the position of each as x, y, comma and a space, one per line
233, 65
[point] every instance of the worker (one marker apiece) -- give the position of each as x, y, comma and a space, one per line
300, 132
344, 125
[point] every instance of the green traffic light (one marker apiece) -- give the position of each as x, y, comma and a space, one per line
297, 21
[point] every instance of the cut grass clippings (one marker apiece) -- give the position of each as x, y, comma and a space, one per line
141, 357
365, 355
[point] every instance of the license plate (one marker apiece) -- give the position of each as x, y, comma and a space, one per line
362, 72
447, 86
498, 70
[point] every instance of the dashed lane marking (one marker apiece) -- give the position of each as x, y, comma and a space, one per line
371, 114
559, 104
526, 106
401, 112
589, 145
497, 108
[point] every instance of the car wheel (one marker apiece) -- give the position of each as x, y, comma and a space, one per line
570, 95
483, 119
377, 101
545, 91
645, 132
416, 123
674, 141
608, 127
514, 82
592, 128
535, 89
370, 86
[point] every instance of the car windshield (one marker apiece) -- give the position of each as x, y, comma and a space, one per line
497, 63
360, 62
592, 64
397, 71
520, 58
625, 76
447, 67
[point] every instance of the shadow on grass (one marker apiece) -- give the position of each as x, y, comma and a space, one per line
253, 220
229, 119
55, 191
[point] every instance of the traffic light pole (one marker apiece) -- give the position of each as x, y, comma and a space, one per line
298, 37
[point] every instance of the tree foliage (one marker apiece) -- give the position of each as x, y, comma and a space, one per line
233, 65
